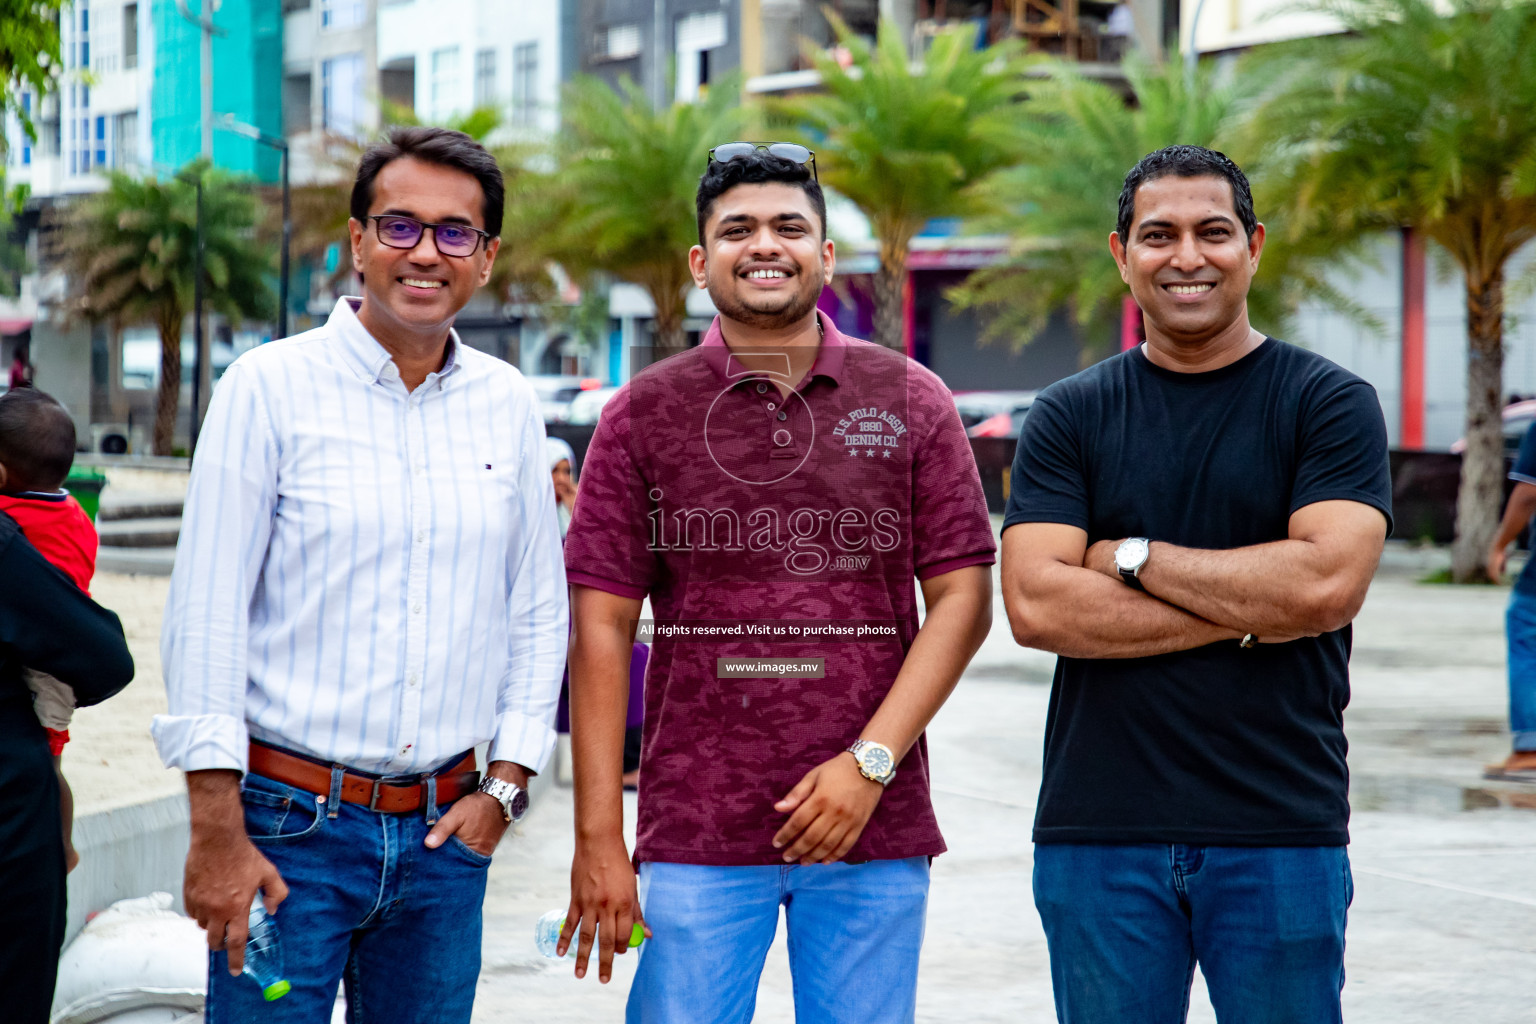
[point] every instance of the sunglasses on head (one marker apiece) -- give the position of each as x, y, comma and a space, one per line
784, 150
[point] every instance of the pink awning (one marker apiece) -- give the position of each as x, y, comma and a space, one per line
14, 326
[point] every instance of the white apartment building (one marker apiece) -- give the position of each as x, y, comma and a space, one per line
452, 56
91, 123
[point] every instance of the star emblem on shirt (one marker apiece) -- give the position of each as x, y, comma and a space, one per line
853, 452
885, 454
870, 452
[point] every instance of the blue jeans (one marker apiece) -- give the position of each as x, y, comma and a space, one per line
1127, 924
855, 931
1520, 629
366, 902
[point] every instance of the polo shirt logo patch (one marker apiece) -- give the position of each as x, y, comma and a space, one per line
870, 431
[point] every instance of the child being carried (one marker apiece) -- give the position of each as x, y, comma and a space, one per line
37, 449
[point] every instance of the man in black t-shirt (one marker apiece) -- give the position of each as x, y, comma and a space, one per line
1192, 525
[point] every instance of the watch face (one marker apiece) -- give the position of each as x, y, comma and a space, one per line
519, 804
1131, 554
876, 761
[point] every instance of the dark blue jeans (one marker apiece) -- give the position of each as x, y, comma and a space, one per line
1520, 627
366, 902
1127, 924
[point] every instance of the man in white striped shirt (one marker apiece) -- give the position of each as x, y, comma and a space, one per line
368, 585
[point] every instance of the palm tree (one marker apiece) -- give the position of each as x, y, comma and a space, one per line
1425, 116
907, 144
1057, 206
619, 196
132, 252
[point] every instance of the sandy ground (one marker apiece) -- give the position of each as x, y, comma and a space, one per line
111, 759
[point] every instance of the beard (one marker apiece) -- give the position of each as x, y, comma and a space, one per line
771, 314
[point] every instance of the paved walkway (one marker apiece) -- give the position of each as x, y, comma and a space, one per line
1443, 926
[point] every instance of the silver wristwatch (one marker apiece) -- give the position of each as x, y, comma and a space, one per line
1130, 557
512, 797
876, 762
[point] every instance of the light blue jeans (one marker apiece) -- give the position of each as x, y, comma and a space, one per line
855, 931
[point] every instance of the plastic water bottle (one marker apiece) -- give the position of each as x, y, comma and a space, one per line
546, 935
264, 952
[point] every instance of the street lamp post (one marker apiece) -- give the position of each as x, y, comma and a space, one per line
196, 181
206, 29
250, 131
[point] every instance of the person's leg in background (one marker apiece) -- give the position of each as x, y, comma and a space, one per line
710, 932
1117, 925
31, 869
1268, 925
1520, 636
855, 935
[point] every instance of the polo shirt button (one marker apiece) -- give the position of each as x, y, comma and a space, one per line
762, 388
783, 416
781, 438
771, 407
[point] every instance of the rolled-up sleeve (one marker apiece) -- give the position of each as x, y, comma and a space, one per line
226, 526
538, 615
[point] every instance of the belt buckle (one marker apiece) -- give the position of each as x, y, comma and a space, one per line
389, 780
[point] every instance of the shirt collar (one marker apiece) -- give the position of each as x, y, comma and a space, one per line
829, 355
366, 356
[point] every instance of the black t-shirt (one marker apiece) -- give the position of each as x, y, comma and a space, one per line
1218, 745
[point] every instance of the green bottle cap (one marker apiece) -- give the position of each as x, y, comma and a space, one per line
276, 990
636, 935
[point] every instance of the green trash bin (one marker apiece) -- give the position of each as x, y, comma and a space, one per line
86, 484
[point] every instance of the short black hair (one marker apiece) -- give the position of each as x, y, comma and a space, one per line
1186, 162
37, 440
444, 147
761, 168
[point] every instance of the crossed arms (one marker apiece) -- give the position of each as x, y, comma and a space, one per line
1064, 596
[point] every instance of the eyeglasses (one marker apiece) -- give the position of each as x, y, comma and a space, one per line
405, 233
784, 150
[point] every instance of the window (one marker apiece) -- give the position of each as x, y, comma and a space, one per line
525, 83
125, 139
485, 78
445, 82
297, 103
130, 36
341, 88
618, 42
341, 13
101, 142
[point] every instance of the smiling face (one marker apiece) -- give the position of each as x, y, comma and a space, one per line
763, 259
417, 292
1187, 259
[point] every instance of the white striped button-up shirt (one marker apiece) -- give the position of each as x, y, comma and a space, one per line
368, 575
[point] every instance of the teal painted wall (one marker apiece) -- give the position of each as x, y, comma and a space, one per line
247, 82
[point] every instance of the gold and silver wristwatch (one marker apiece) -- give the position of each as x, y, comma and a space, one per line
876, 762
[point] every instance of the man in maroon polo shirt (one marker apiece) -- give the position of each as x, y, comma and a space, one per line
774, 492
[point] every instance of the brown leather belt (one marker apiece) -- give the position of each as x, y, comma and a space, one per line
399, 795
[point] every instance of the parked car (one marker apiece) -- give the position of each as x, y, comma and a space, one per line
587, 406
1518, 417
557, 391
976, 406
1007, 421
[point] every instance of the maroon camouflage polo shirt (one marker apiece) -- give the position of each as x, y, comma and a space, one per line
807, 519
